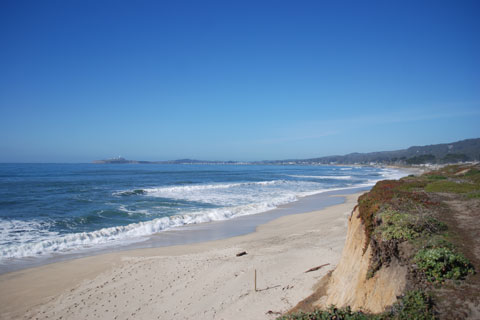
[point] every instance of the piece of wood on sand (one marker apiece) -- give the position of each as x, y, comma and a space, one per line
241, 253
316, 268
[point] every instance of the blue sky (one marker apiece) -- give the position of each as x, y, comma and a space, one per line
243, 80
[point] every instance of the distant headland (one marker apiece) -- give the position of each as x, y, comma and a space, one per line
120, 160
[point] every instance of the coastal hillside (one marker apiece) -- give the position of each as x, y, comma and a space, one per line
412, 252
460, 151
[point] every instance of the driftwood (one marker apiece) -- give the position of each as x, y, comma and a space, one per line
316, 268
273, 312
241, 253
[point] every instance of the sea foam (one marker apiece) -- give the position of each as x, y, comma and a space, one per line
221, 201
136, 231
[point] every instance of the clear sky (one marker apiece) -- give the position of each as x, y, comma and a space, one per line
241, 80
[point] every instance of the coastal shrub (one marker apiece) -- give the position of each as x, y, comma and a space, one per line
451, 186
413, 305
370, 203
397, 226
389, 194
403, 226
439, 264
434, 241
332, 313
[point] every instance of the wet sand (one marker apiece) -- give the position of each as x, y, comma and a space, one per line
202, 280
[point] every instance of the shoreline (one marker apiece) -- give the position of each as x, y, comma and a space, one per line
185, 280
193, 233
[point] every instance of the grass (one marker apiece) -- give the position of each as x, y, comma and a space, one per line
473, 195
451, 186
411, 185
473, 175
435, 177
455, 179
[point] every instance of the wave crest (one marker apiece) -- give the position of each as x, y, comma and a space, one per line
323, 177
193, 188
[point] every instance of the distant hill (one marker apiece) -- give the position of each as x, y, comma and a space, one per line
460, 151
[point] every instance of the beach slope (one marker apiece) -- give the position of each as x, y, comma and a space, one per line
201, 281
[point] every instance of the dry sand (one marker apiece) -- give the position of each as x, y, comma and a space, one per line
199, 281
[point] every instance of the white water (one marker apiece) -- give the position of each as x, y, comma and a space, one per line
230, 200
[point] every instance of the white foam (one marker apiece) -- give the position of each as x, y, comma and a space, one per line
323, 177
23, 231
231, 194
140, 231
386, 174
392, 174
229, 200
198, 187
131, 212
136, 231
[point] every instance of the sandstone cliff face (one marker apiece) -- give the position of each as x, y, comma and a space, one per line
348, 284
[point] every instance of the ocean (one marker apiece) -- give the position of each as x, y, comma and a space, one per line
57, 209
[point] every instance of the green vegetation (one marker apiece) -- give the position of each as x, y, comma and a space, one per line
413, 305
466, 150
397, 211
410, 185
455, 179
396, 225
402, 226
390, 195
473, 175
440, 264
403, 220
454, 157
426, 158
473, 195
451, 186
435, 177
331, 313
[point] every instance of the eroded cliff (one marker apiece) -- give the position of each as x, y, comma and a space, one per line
409, 253
349, 284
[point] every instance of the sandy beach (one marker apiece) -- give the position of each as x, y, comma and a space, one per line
202, 281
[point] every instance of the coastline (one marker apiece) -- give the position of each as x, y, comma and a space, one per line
204, 280
194, 233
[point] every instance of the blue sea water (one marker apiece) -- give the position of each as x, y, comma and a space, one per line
48, 209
